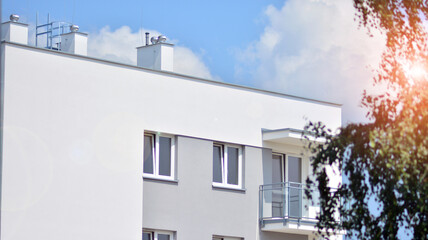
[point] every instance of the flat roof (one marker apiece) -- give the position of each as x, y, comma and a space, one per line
175, 74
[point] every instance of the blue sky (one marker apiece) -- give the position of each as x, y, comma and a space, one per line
308, 48
212, 28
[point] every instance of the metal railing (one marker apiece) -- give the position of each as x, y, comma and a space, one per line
286, 201
49, 35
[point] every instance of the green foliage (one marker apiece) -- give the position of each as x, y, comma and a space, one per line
385, 161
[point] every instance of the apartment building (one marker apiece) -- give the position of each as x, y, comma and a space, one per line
94, 149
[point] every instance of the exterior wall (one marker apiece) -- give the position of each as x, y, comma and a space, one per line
70, 169
72, 148
195, 209
164, 102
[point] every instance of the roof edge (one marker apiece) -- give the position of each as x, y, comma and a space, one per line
175, 74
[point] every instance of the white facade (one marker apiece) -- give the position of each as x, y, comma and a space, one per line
73, 149
156, 56
14, 32
75, 42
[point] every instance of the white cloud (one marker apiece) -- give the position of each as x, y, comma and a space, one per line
187, 62
314, 49
120, 45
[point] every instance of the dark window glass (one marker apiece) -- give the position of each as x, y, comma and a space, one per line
217, 170
163, 237
164, 156
296, 191
147, 236
232, 165
277, 166
278, 192
148, 154
294, 169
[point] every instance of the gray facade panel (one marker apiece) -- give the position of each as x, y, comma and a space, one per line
196, 210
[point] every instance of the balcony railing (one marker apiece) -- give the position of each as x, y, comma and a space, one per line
287, 202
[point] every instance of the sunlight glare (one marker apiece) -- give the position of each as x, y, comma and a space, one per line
415, 72
418, 72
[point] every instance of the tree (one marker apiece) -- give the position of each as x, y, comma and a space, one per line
385, 161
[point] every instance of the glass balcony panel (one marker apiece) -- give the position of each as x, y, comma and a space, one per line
295, 200
287, 200
278, 204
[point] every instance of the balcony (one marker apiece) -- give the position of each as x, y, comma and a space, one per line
285, 208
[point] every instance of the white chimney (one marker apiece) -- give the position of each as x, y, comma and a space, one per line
158, 56
14, 31
74, 42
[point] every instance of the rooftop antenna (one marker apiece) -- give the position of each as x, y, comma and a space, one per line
141, 26
74, 10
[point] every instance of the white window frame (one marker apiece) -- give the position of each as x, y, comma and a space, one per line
155, 234
155, 150
224, 161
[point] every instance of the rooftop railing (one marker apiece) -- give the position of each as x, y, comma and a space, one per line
49, 35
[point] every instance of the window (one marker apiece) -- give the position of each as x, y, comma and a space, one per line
278, 176
159, 150
286, 168
227, 166
280, 167
295, 169
296, 188
157, 235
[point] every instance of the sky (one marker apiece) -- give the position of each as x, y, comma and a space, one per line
307, 48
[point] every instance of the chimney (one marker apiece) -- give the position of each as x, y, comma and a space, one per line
14, 31
74, 42
158, 55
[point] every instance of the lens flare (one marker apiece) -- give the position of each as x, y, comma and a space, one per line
415, 72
